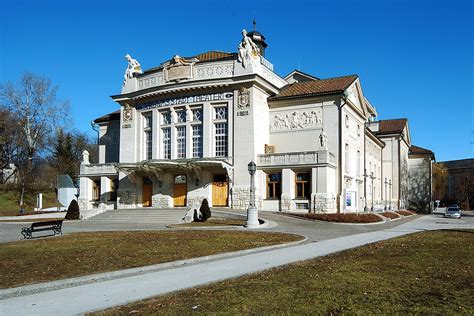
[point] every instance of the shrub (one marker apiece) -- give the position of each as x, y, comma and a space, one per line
205, 210
342, 217
405, 213
73, 211
391, 215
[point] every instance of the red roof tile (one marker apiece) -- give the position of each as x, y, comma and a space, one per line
392, 126
314, 88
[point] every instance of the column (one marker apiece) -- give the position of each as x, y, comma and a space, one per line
85, 193
105, 188
287, 189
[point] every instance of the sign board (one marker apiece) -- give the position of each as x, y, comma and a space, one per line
185, 100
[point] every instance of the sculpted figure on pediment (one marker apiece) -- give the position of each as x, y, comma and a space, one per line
133, 68
248, 50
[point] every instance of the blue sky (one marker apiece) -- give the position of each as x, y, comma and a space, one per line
414, 58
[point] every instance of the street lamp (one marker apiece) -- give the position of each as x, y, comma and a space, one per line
365, 175
385, 194
390, 195
252, 213
372, 177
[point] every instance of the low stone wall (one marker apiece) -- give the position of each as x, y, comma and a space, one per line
162, 201
324, 202
241, 197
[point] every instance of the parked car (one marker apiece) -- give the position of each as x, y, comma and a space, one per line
453, 212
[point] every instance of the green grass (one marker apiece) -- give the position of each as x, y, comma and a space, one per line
428, 273
9, 201
47, 259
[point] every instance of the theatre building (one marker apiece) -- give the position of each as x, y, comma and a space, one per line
187, 129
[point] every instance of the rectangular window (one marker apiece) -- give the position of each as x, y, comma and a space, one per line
165, 118
147, 120
303, 185
197, 115
148, 144
273, 185
220, 113
181, 141
147, 135
181, 116
96, 190
221, 139
197, 141
167, 143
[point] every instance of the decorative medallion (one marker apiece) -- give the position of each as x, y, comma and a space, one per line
127, 115
244, 98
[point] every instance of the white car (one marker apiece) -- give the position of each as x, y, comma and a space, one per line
453, 212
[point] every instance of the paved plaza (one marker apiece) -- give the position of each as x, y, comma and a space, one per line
322, 239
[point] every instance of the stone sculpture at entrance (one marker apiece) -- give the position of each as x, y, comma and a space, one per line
248, 50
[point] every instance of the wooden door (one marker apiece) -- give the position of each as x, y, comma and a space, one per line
179, 194
219, 191
147, 193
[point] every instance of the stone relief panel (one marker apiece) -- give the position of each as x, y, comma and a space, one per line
296, 120
214, 72
152, 81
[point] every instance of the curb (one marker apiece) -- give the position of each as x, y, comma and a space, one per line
100, 277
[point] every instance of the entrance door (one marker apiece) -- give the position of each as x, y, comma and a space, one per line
147, 192
179, 191
219, 190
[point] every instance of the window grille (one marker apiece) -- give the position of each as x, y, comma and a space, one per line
220, 113
197, 141
181, 141
197, 115
148, 144
181, 116
221, 139
166, 143
166, 118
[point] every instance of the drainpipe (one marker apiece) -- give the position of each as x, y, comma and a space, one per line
339, 204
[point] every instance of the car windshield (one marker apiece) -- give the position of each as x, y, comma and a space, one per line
453, 209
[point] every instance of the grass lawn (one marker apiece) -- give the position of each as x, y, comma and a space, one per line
9, 201
214, 221
54, 258
426, 273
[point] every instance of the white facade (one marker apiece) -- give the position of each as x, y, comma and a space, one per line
187, 129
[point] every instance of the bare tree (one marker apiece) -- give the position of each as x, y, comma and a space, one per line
34, 108
440, 181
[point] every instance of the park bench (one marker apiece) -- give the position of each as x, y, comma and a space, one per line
54, 226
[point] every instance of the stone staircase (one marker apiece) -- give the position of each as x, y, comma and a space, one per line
141, 215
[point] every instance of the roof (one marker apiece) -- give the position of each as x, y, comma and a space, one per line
314, 88
303, 74
392, 126
415, 150
114, 116
203, 57
459, 164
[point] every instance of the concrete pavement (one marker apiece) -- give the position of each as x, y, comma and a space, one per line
101, 295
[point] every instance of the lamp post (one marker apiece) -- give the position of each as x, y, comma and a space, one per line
366, 209
390, 195
385, 193
252, 213
372, 177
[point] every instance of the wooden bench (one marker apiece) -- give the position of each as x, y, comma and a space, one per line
54, 226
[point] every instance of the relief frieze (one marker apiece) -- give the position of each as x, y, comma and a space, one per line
295, 120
